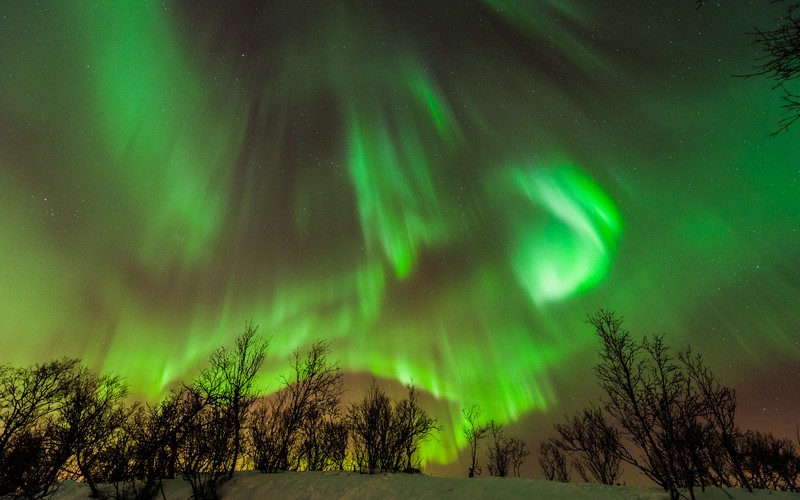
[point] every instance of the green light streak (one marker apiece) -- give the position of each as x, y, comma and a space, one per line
397, 203
424, 90
343, 173
572, 252
167, 143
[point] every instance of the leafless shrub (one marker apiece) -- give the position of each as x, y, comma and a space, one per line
228, 384
595, 445
506, 454
151, 445
218, 403
413, 426
553, 461
32, 463
207, 451
285, 432
770, 462
473, 432
30, 460
386, 436
371, 425
92, 411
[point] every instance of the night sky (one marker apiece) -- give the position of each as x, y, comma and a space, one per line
445, 189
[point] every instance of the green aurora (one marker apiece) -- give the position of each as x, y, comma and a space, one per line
444, 189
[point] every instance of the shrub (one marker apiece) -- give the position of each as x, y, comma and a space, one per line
553, 461
386, 436
473, 433
594, 443
296, 427
506, 454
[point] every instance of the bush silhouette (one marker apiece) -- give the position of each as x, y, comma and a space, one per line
667, 415
506, 453
553, 461
297, 428
218, 404
386, 435
663, 413
473, 433
30, 459
594, 444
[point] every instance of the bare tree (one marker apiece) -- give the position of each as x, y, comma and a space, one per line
158, 433
506, 453
473, 433
595, 443
518, 450
322, 444
218, 403
284, 433
553, 461
91, 413
387, 435
370, 422
28, 397
719, 410
624, 375
150, 444
327, 447
115, 462
413, 427
770, 462
27, 394
779, 60
672, 409
267, 436
207, 451
30, 458
499, 461
228, 382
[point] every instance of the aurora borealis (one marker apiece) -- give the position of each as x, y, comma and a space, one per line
444, 189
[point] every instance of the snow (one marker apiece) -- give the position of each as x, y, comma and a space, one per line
332, 485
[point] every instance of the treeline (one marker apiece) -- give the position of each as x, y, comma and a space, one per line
667, 415
59, 420
664, 413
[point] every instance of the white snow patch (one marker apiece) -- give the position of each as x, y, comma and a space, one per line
334, 485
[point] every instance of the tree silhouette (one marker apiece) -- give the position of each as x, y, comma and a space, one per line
92, 411
473, 433
387, 435
371, 426
779, 60
596, 444
553, 461
622, 373
207, 450
719, 411
506, 453
228, 383
285, 427
672, 409
770, 462
29, 457
217, 406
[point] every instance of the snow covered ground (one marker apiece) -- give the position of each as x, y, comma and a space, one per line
333, 485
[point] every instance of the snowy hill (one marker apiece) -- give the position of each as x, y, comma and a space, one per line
332, 485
